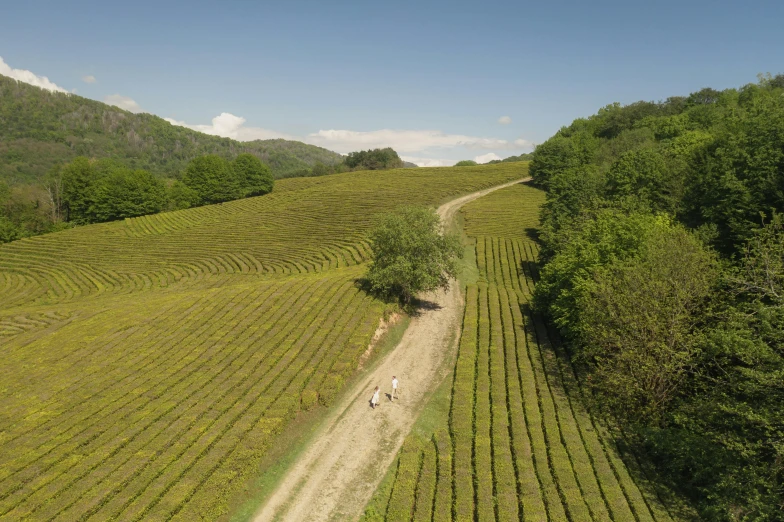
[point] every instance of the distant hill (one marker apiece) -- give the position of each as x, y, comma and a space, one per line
39, 129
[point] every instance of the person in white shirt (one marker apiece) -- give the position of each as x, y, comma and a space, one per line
394, 388
374, 400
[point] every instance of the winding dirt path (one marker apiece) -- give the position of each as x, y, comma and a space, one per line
335, 476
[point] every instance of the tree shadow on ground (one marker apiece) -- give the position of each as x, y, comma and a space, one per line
529, 268
419, 306
414, 308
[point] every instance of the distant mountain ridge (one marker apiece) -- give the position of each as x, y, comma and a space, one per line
39, 129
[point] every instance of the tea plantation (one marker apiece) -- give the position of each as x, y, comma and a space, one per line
149, 364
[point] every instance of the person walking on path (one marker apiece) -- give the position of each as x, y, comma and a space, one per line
374, 399
394, 388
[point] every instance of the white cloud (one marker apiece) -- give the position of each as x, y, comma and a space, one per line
406, 140
504, 120
484, 158
429, 162
419, 144
29, 77
122, 102
231, 126
89, 79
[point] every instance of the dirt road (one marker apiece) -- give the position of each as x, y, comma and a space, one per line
336, 475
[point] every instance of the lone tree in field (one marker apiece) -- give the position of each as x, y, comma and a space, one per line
410, 255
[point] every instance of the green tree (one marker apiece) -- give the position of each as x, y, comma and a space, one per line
722, 444
613, 119
181, 196
123, 193
466, 163
607, 236
8, 230
375, 159
319, 169
212, 178
572, 193
79, 180
638, 323
254, 177
644, 175
554, 155
410, 255
5, 193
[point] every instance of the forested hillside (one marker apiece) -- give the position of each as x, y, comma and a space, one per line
663, 250
40, 129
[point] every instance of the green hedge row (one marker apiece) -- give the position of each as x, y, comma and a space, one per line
462, 413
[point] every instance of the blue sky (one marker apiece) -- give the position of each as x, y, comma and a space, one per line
431, 79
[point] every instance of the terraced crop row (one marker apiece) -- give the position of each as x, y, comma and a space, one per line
160, 416
521, 445
15, 324
305, 225
509, 213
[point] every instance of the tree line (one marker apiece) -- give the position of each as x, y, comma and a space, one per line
511, 159
94, 191
372, 159
89, 190
663, 268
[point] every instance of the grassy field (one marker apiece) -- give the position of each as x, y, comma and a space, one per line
149, 364
517, 443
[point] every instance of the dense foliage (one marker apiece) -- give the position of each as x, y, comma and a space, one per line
91, 191
255, 177
664, 270
375, 159
512, 159
410, 255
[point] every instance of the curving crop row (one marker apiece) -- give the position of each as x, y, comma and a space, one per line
160, 441
286, 232
107, 429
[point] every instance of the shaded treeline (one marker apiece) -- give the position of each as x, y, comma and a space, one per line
663, 268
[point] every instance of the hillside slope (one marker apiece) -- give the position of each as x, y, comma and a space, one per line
150, 363
39, 129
